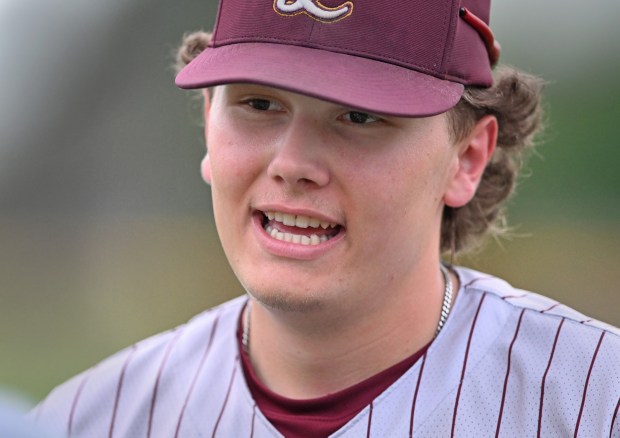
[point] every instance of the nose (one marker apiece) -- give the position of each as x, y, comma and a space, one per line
299, 159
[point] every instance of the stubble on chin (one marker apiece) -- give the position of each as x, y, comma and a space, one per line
284, 301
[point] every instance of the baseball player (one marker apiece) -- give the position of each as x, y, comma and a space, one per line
350, 143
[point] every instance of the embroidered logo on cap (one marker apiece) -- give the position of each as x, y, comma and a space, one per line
314, 9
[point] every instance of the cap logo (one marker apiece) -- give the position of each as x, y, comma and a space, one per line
314, 9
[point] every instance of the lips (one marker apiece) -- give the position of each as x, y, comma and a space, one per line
299, 229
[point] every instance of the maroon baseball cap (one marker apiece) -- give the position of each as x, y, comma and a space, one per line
401, 58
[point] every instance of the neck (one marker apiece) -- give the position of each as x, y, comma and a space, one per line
312, 354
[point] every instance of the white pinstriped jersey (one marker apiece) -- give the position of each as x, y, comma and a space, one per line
507, 363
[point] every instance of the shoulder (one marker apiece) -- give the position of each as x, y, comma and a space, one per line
503, 294
534, 318
152, 374
520, 345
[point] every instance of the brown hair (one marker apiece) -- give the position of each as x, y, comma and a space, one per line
515, 100
193, 44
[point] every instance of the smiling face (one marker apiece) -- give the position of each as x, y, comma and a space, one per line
319, 205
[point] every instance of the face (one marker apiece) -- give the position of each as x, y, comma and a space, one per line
319, 205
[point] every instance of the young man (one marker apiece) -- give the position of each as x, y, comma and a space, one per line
349, 145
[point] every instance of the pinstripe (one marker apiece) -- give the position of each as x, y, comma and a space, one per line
613, 419
76, 398
514, 339
369, 420
119, 388
232, 379
202, 361
542, 386
471, 333
476, 280
94, 403
253, 418
415, 395
157, 379
510, 297
550, 308
585, 387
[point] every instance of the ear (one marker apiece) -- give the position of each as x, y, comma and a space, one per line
205, 166
474, 152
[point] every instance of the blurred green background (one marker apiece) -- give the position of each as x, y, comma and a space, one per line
106, 231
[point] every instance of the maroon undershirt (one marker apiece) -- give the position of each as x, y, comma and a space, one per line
322, 416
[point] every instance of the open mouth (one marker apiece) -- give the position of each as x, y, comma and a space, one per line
300, 229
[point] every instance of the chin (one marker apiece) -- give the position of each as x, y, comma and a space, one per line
287, 288
299, 301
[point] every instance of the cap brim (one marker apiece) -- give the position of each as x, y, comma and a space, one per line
353, 81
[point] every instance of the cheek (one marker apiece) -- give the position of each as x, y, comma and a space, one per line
407, 191
231, 163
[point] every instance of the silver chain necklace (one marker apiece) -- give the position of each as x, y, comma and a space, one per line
445, 310
447, 299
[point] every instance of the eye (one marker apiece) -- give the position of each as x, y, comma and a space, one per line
360, 117
259, 104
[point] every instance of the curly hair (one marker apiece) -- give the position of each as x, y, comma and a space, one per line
515, 100
193, 45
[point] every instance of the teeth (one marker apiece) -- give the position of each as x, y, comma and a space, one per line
302, 221
288, 219
296, 238
299, 221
